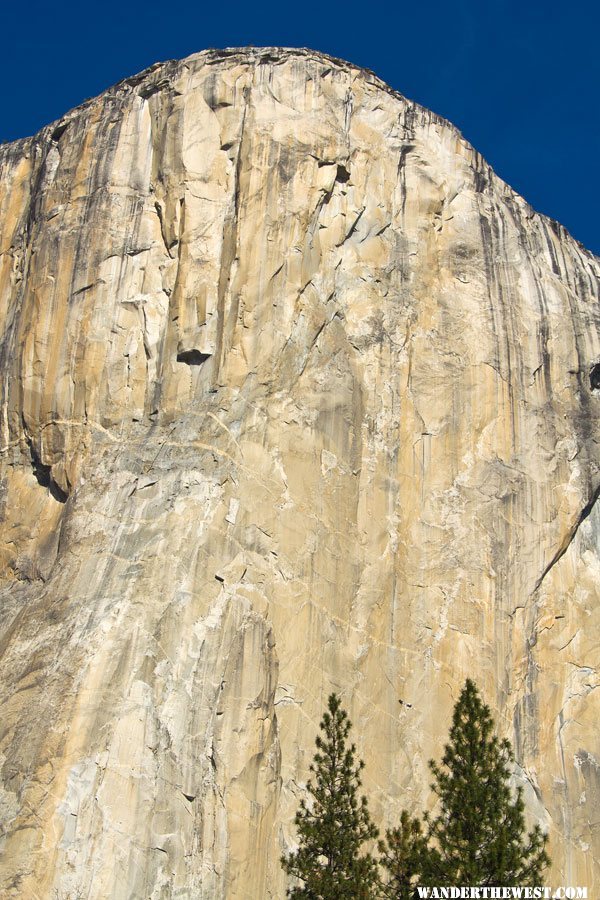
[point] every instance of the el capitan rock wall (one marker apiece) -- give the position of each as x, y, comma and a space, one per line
296, 398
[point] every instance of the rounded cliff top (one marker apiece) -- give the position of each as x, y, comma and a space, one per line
159, 75
156, 77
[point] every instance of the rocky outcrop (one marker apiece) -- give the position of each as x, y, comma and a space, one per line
297, 396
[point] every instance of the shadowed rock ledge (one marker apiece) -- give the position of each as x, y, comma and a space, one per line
297, 396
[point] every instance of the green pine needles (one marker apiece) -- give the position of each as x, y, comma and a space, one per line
335, 824
404, 855
479, 833
477, 838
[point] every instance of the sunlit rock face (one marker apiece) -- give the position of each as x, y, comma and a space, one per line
297, 397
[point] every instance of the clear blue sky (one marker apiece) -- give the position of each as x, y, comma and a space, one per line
520, 79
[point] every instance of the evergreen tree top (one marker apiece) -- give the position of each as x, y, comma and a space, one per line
335, 823
479, 833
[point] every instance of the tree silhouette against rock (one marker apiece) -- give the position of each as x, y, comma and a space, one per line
404, 855
479, 835
334, 824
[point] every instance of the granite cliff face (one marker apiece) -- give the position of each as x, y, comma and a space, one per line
297, 396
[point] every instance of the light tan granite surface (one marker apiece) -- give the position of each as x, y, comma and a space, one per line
296, 398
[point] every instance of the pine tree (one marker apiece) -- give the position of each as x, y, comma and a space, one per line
404, 854
479, 834
334, 825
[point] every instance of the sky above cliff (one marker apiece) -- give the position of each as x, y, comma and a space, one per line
520, 79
